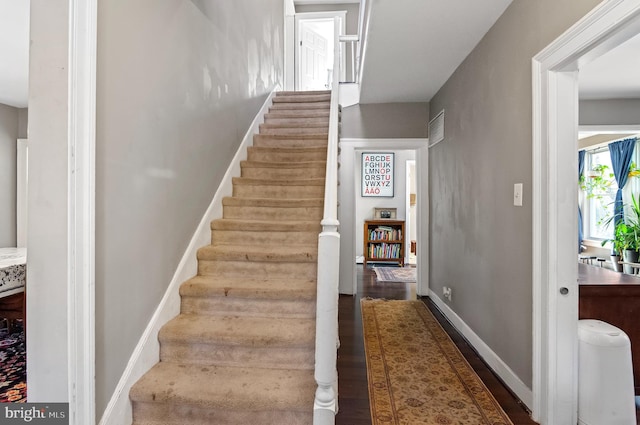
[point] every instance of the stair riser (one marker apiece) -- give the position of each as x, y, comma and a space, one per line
248, 307
285, 131
324, 98
305, 240
272, 142
272, 213
294, 113
260, 269
308, 240
185, 414
284, 173
238, 356
279, 192
301, 106
278, 156
297, 121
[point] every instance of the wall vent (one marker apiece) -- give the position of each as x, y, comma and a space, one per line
436, 129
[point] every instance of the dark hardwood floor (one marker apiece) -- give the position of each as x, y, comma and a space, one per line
352, 370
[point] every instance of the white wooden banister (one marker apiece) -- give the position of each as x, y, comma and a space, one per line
326, 399
352, 42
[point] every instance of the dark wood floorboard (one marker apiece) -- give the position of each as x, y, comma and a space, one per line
352, 369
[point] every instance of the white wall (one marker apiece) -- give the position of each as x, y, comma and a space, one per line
47, 377
8, 138
178, 84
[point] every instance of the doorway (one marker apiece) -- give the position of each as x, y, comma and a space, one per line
351, 227
555, 193
315, 44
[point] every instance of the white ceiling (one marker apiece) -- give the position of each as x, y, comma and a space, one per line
14, 52
413, 46
614, 75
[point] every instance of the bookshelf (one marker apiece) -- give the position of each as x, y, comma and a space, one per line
384, 241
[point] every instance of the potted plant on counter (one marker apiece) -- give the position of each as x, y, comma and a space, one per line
617, 247
627, 236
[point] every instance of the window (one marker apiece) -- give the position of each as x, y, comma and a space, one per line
601, 186
599, 182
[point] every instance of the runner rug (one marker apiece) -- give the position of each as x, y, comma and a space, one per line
416, 373
395, 274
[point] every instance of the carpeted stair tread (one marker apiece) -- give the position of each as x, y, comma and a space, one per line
302, 98
298, 93
270, 202
297, 150
249, 287
278, 130
321, 128
240, 330
297, 121
318, 153
301, 106
233, 388
287, 137
277, 182
265, 226
274, 164
295, 113
252, 253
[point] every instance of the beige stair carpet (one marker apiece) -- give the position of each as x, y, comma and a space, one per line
242, 349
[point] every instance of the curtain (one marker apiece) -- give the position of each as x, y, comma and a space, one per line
580, 172
620, 160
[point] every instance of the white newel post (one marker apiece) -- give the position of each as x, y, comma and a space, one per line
325, 405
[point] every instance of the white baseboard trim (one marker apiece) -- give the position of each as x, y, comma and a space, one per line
147, 351
511, 380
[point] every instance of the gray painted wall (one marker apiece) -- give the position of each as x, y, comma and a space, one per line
385, 120
480, 242
178, 86
8, 138
23, 123
610, 112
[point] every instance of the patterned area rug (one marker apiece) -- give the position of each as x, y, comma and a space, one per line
395, 274
416, 374
13, 366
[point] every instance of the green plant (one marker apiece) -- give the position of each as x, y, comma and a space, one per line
627, 232
598, 182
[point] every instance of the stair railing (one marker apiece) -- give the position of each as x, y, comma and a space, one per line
351, 46
326, 375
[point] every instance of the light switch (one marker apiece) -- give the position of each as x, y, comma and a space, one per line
517, 194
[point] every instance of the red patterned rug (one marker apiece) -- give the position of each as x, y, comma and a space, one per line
416, 374
13, 366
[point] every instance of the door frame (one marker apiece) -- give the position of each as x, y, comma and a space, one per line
555, 193
315, 16
83, 35
349, 189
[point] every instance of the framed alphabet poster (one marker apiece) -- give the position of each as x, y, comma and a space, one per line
377, 174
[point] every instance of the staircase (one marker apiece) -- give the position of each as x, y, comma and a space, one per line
242, 349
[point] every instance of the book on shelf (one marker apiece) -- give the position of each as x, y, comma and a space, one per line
385, 250
385, 233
